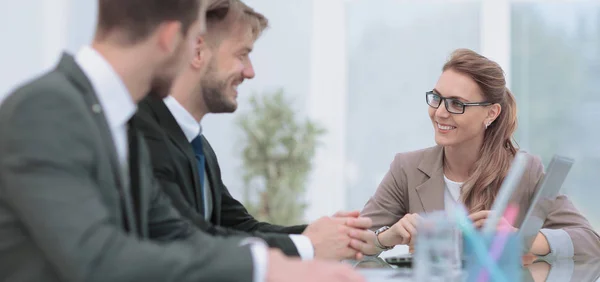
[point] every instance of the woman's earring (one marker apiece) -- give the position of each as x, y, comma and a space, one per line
487, 124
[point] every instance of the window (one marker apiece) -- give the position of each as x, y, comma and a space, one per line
555, 71
396, 50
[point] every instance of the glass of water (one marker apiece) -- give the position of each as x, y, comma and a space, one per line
438, 249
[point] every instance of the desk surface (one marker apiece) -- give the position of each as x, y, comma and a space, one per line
377, 270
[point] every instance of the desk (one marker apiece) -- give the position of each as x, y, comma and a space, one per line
377, 270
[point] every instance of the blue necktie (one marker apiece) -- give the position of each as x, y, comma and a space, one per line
197, 145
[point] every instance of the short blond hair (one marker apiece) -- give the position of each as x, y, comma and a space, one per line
222, 15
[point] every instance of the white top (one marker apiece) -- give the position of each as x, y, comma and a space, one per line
451, 194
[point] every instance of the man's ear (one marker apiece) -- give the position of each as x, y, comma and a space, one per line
169, 36
200, 53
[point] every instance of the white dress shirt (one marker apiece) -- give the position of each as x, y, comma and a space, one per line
118, 106
559, 240
114, 98
191, 129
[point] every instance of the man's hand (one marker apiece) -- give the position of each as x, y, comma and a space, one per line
331, 236
354, 214
281, 268
479, 218
364, 242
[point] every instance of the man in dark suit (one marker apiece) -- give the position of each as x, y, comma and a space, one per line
77, 198
186, 165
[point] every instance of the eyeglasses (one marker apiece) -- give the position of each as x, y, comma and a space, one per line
453, 106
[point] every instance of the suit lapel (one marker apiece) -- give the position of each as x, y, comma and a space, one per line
73, 72
68, 66
169, 124
431, 192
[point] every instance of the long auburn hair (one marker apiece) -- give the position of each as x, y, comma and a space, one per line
498, 149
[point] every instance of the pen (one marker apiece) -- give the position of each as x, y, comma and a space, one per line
500, 239
477, 243
507, 188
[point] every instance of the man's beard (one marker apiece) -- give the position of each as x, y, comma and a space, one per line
213, 94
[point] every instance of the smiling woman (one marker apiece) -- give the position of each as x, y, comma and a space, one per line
474, 117
477, 127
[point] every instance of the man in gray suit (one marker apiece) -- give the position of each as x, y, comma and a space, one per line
77, 198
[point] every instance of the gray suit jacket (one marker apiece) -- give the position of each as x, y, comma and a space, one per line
63, 205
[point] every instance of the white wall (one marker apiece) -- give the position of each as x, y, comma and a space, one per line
35, 32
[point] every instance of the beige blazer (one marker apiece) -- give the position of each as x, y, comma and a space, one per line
415, 184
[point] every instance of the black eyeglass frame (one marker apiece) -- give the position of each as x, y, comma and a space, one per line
445, 100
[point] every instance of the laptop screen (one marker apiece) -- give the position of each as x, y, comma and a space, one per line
541, 205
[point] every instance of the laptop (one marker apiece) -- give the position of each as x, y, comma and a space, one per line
548, 188
547, 191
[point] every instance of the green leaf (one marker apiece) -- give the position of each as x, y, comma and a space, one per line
277, 152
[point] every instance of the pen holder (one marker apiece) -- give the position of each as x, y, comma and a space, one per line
506, 254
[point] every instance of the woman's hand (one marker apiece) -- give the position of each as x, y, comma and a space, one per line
540, 246
479, 218
539, 270
404, 232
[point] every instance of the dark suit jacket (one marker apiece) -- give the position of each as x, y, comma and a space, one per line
64, 207
176, 168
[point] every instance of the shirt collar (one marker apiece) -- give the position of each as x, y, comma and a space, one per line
115, 99
190, 127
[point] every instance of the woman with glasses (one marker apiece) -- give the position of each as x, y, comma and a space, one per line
474, 117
